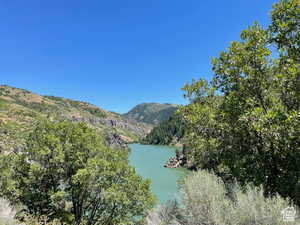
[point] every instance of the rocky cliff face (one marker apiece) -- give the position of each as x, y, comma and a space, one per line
20, 109
122, 131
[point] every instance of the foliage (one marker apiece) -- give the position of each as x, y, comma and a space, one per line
8, 216
169, 213
39, 107
205, 200
3, 104
66, 172
165, 132
79, 105
12, 136
252, 131
42, 220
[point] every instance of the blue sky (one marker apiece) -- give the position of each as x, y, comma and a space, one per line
118, 53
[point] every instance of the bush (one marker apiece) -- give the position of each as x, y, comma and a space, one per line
166, 214
3, 104
8, 216
7, 213
205, 200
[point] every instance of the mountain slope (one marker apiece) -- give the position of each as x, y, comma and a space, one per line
168, 132
151, 113
20, 109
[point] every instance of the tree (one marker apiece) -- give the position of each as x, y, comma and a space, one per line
167, 131
253, 133
66, 172
202, 128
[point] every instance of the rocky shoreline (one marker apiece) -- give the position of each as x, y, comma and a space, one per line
176, 162
180, 161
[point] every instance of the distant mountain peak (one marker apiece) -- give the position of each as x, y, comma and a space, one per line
151, 113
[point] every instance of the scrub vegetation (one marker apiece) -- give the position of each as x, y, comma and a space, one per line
207, 200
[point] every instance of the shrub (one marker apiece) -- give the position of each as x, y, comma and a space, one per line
8, 216
7, 213
166, 214
205, 201
3, 104
204, 198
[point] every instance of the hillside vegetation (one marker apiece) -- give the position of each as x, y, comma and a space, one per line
20, 109
151, 113
168, 132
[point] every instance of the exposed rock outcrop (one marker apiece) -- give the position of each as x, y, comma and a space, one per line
116, 141
175, 162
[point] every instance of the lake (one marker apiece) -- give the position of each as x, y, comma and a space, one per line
149, 162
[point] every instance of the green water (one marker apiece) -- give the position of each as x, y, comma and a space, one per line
149, 162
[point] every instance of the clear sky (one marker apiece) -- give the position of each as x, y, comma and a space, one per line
118, 53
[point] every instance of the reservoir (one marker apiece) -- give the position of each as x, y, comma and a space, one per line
149, 162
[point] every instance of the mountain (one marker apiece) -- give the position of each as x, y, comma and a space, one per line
151, 113
20, 109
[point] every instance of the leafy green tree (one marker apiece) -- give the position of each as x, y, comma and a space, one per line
253, 132
66, 172
202, 127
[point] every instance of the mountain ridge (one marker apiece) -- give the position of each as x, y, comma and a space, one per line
20, 109
151, 113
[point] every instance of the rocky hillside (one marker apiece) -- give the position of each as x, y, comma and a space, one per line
151, 113
20, 109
